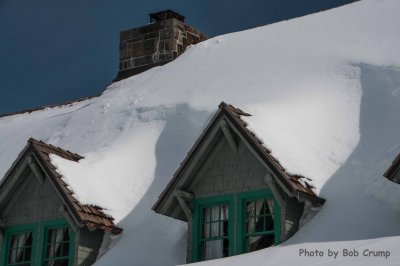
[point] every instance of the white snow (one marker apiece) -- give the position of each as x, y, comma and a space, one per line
114, 177
382, 251
324, 94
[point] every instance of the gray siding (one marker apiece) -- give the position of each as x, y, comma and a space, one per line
35, 203
88, 245
230, 173
235, 172
293, 212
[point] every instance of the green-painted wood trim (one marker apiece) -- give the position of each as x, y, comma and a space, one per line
18, 229
39, 239
195, 232
198, 205
52, 224
241, 198
241, 213
277, 222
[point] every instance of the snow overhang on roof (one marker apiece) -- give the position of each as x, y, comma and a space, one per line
83, 215
293, 185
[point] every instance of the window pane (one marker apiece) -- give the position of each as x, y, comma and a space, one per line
67, 233
214, 232
268, 223
250, 224
47, 251
20, 248
58, 246
215, 229
28, 254
215, 249
65, 249
225, 226
259, 224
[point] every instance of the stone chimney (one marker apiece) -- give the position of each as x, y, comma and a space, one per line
164, 39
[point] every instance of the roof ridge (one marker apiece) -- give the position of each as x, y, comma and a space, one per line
50, 106
237, 111
57, 149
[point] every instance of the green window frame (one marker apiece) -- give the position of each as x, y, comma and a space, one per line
57, 243
210, 224
36, 251
261, 223
265, 228
19, 245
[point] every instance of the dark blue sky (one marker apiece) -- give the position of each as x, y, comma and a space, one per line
52, 51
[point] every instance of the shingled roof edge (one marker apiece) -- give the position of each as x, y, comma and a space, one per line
36, 147
224, 108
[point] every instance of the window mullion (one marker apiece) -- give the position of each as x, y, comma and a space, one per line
255, 233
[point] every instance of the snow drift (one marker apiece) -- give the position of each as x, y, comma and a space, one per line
324, 92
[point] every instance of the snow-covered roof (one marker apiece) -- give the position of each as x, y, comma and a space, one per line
323, 91
296, 184
86, 215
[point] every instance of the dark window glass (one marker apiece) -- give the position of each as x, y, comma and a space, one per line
58, 246
20, 249
259, 224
